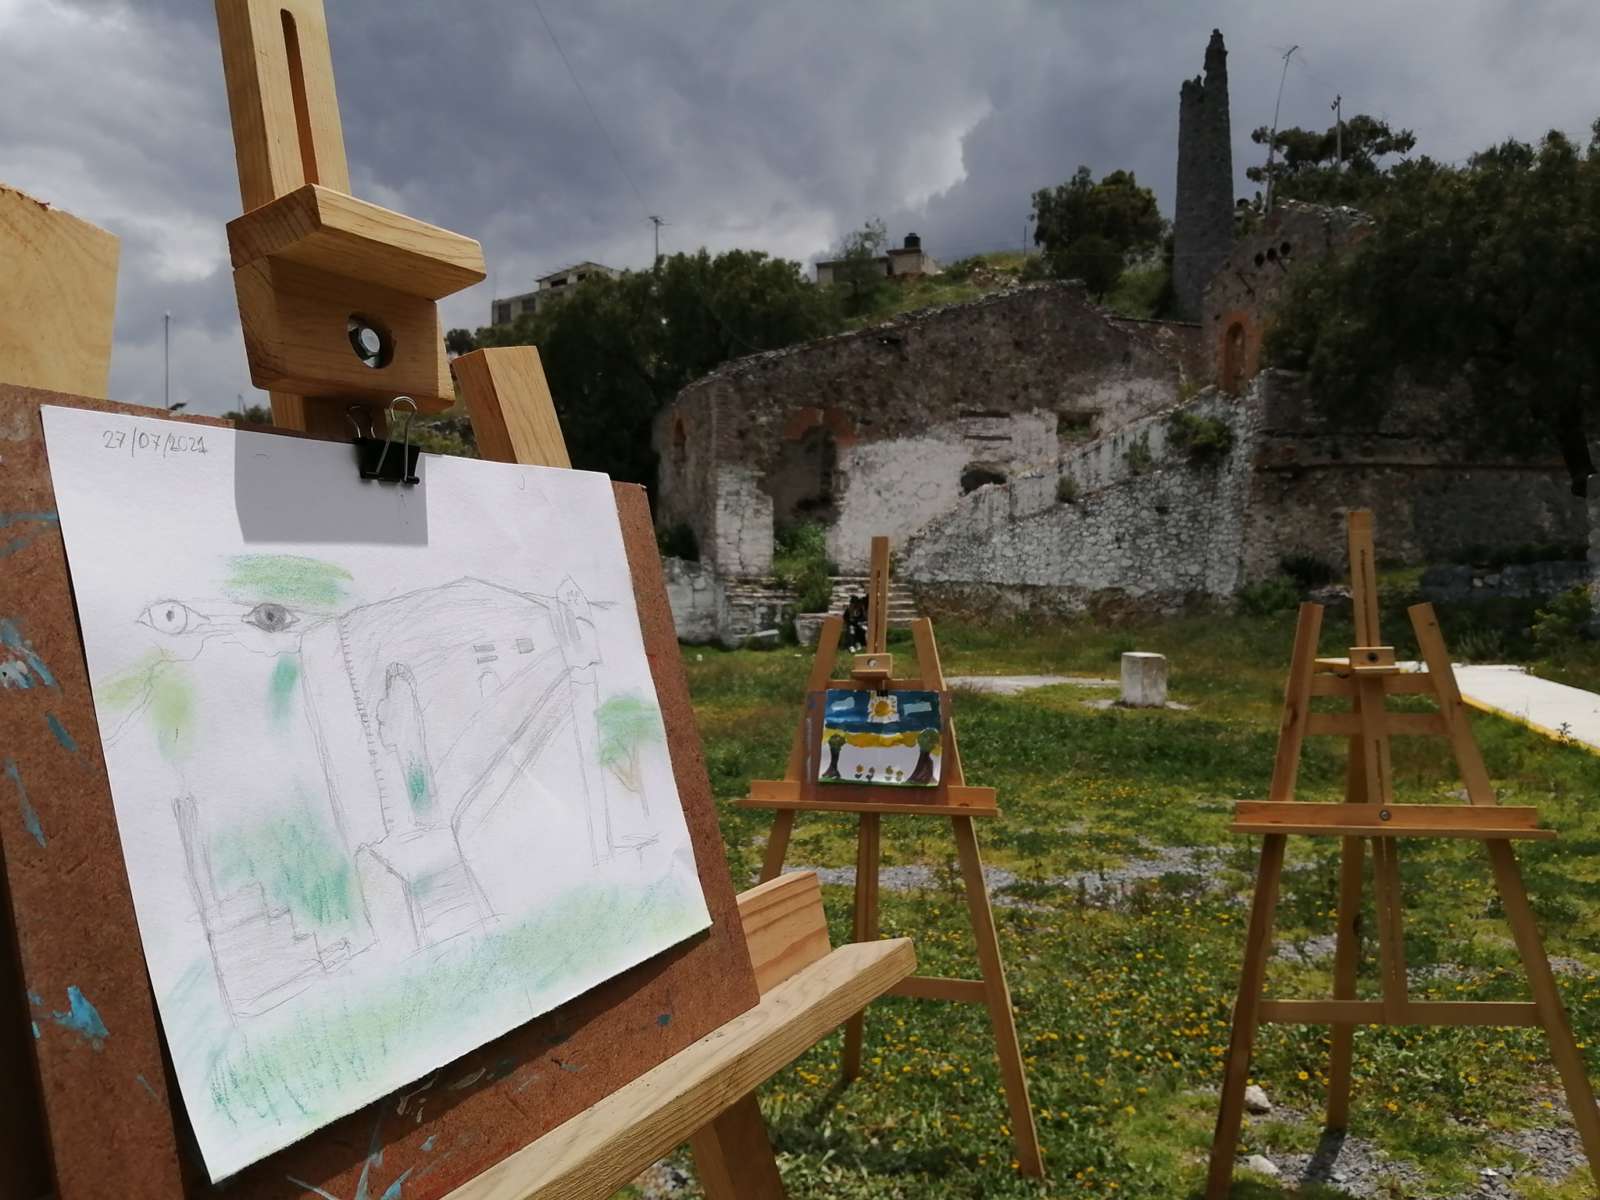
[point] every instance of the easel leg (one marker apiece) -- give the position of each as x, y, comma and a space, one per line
998, 998
1346, 958
1246, 1009
866, 928
1569, 1061
733, 1156
777, 844
1391, 933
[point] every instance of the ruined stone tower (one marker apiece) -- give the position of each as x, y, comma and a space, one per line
1203, 221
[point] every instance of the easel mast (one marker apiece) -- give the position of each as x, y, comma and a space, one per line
1367, 677
874, 669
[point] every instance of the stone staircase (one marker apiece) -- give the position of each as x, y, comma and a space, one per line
755, 604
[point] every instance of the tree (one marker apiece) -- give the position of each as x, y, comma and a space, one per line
1091, 231
927, 743
1486, 275
459, 341
615, 350
836, 743
251, 414
858, 276
1307, 164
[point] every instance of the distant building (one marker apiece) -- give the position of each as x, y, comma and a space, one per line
548, 288
1202, 227
902, 262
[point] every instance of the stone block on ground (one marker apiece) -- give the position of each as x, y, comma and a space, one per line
764, 639
1144, 680
808, 627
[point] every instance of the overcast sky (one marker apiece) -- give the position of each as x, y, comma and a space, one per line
769, 124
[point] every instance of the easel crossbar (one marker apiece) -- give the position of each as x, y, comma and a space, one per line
1415, 1012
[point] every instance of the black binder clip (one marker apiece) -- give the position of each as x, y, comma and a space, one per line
373, 452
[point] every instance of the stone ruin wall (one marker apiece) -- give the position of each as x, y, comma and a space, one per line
999, 384
1141, 527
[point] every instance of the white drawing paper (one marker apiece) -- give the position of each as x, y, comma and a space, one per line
387, 765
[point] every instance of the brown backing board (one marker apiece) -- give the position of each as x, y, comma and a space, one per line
115, 1127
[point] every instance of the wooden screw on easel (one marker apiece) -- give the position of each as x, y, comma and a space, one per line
789, 795
1367, 677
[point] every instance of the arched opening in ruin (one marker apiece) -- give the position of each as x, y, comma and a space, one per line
801, 481
1233, 359
680, 442
979, 475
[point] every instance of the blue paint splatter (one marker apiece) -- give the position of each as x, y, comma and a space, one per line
35, 998
35, 1025
430, 1143
30, 818
67, 741
82, 1018
392, 1192
145, 1084
664, 1020
16, 671
23, 518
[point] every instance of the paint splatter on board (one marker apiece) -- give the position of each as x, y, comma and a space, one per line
68, 742
145, 1084
20, 665
30, 817
16, 541
82, 1018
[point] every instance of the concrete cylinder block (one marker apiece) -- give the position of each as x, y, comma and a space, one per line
1144, 679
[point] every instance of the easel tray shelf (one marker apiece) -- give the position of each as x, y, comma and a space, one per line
1391, 820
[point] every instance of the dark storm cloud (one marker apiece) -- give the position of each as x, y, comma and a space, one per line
774, 125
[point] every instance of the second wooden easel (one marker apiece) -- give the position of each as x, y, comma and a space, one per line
1366, 678
958, 802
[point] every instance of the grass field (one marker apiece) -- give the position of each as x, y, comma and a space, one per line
1123, 986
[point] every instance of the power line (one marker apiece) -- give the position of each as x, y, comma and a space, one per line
595, 116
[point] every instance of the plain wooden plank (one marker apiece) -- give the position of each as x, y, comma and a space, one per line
1246, 1013
939, 987
1348, 1013
1013, 1074
1296, 703
1393, 724
526, 432
1542, 983
878, 598
1452, 709
1404, 820
865, 922
817, 681
58, 297
1346, 961
1391, 932
733, 1155
1363, 576
281, 141
1406, 683
964, 802
785, 927
602, 1148
356, 238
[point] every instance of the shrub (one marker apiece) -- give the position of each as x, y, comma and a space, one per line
800, 563
1269, 596
1138, 456
1066, 489
678, 541
1564, 621
1306, 569
1203, 439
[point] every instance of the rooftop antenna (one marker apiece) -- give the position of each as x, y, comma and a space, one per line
658, 223
1272, 142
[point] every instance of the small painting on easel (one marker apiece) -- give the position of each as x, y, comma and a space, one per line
886, 739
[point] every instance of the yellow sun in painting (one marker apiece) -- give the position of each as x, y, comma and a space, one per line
882, 707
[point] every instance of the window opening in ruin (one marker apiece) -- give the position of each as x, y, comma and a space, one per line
680, 442
802, 481
979, 475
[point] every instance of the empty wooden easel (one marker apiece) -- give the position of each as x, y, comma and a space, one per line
955, 800
1367, 677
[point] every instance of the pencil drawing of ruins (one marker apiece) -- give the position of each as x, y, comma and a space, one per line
459, 690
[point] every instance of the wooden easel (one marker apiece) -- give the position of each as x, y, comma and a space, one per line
960, 804
1367, 677
762, 986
